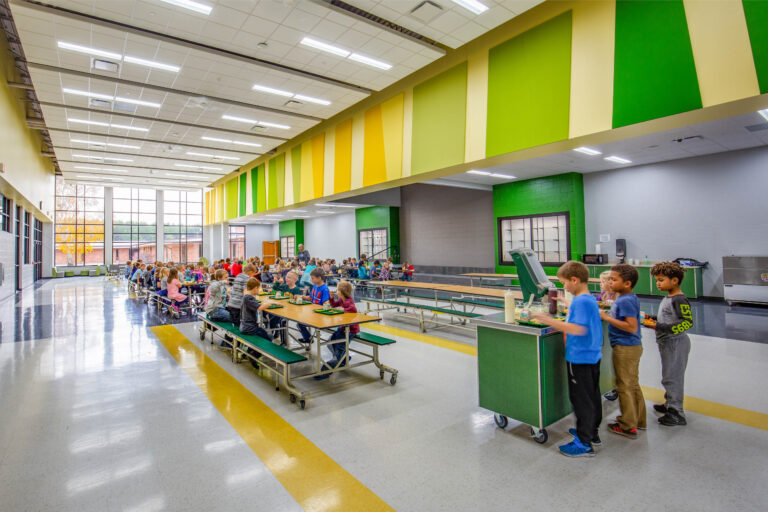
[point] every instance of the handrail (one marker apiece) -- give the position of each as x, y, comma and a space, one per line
395, 252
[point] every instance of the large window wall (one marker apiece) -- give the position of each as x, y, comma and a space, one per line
79, 231
183, 225
134, 224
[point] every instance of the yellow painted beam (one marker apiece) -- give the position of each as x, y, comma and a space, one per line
316, 482
721, 50
392, 136
358, 152
329, 167
477, 106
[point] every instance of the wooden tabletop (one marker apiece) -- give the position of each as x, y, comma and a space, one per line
307, 316
514, 276
451, 288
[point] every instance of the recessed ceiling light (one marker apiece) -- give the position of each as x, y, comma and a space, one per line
138, 102
764, 113
76, 92
319, 45
298, 211
191, 5
588, 151
503, 176
92, 142
271, 90
228, 141
151, 64
618, 160
215, 139
85, 168
325, 211
370, 62
275, 125
93, 157
241, 143
90, 176
90, 51
188, 166
472, 5
206, 155
479, 173
125, 146
310, 99
239, 119
110, 125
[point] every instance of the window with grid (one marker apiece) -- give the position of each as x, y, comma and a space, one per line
373, 243
546, 235
79, 230
134, 224
288, 247
237, 242
183, 229
38, 249
5, 214
27, 235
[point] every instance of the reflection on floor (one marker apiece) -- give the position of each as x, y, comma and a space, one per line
97, 415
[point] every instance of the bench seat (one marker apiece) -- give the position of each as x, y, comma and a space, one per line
263, 345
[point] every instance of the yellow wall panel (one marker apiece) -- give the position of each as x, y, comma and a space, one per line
342, 165
307, 176
289, 200
477, 106
407, 131
592, 49
358, 143
392, 136
374, 163
721, 50
329, 155
318, 165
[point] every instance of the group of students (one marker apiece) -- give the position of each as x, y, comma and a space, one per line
165, 278
583, 351
377, 271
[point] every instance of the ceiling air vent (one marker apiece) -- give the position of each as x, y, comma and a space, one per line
258, 128
125, 107
97, 103
426, 12
105, 65
757, 127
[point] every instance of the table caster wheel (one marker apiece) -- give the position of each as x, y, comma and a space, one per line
292, 397
611, 395
202, 335
393, 379
541, 437
501, 420
302, 403
381, 374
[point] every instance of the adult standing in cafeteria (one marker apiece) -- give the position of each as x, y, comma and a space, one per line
303, 255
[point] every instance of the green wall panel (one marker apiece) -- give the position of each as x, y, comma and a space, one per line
756, 13
439, 120
380, 217
261, 176
564, 192
293, 227
243, 193
255, 189
230, 208
529, 88
654, 70
280, 174
272, 185
296, 172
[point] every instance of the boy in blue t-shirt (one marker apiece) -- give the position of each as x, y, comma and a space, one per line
624, 334
583, 350
319, 295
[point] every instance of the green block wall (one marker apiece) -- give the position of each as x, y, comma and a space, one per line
561, 193
756, 13
439, 120
654, 70
293, 227
529, 88
243, 193
376, 217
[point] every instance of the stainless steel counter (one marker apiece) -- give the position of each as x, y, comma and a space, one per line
496, 321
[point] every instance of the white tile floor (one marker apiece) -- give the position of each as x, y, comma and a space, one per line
109, 421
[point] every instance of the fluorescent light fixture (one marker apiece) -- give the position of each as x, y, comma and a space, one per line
126, 127
472, 5
93, 157
215, 139
588, 151
325, 211
618, 160
92, 142
180, 175
310, 99
192, 6
270, 90
188, 166
90, 51
504, 176
138, 102
222, 157
370, 62
335, 205
85, 168
89, 176
206, 155
764, 113
479, 173
241, 143
239, 119
87, 94
113, 159
151, 64
275, 125
319, 45
298, 211
228, 141
125, 146
109, 125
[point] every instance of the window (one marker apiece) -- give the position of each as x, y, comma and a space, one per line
288, 247
373, 243
38, 252
5, 214
237, 242
183, 230
134, 224
79, 231
546, 235
27, 234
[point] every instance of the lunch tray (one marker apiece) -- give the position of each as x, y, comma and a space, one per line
274, 297
329, 312
275, 306
302, 303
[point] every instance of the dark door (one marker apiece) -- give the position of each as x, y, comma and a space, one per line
19, 227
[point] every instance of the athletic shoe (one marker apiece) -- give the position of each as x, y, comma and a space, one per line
577, 449
662, 408
616, 429
672, 419
325, 376
596, 441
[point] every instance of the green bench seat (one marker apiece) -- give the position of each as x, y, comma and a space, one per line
277, 351
373, 338
480, 303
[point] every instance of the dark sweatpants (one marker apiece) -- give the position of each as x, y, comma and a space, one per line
584, 392
235, 314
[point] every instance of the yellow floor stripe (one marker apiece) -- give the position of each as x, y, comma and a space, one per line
692, 404
315, 480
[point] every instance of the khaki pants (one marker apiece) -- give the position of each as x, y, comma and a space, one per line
626, 365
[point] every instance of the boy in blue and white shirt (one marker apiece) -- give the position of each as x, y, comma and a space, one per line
319, 295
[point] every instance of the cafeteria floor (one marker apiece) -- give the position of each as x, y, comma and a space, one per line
106, 407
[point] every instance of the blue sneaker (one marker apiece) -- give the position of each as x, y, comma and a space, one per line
596, 441
577, 449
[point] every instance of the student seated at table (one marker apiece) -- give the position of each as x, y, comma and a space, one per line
319, 295
385, 274
138, 273
375, 269
407, 272
266, 275
285, 286
249, 311
146, 278
341, 298
173, 289
236, 293
306, 277
216, 299
362, 270
162, 281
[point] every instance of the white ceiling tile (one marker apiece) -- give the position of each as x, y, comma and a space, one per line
273, 10
328, 30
